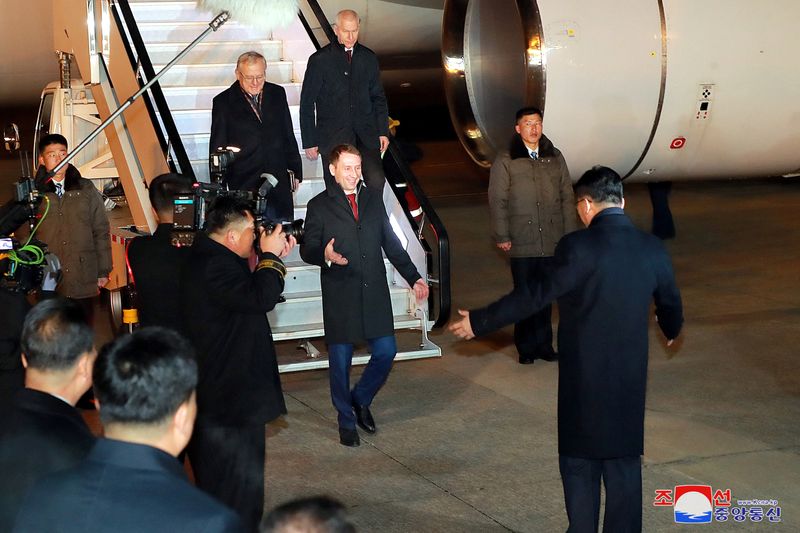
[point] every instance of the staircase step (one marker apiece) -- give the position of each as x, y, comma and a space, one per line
189, 97
303, 278
196, 144
301, 309
214, 52
176, 31
308, 363
219, 74
190, 121
317, 329
311, 169
185, 11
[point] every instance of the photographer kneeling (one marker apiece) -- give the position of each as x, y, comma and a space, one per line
224, 307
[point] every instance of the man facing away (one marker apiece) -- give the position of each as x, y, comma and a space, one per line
76, 227
532, 207
155, 262
342, 85
225, 308
605, 278
131, 480
347, 231
44, 433
253, 115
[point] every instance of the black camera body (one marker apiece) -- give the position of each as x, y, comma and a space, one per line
190, 210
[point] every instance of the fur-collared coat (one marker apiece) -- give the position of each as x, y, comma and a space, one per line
531, 201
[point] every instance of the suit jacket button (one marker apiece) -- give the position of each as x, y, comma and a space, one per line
366, 284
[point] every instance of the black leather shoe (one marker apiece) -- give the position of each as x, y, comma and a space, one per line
364, 418
526, 359
349, 437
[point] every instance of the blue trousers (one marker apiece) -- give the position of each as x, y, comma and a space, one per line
340, 357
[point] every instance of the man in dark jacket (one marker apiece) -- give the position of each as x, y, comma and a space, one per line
347, 231
44, 432
75, 228
130, 481
253, 115
604, 279
156, 264
225, 316
342, 84
532, 207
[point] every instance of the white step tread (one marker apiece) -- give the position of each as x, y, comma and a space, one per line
315, 330
309, 363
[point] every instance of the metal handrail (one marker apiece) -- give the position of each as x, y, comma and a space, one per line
439, 233
159, 102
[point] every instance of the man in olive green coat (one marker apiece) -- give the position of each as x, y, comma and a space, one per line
532, 207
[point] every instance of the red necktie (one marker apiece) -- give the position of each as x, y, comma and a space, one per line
353, 205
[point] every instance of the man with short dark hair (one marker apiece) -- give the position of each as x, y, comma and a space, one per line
347, 233
130, 481
532, 207
318, 514
605, 278
156, 264
44, 432
342, 101
75, 228
225, 309
253, 115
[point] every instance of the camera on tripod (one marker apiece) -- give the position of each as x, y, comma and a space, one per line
190, 209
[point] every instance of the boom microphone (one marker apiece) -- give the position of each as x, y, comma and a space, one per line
264, 14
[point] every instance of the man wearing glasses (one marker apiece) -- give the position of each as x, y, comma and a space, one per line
253, 115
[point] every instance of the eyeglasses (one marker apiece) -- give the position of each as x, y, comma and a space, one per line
252, 79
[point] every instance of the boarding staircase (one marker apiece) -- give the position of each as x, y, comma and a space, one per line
166, 27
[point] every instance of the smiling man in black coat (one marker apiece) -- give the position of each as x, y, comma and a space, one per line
342, 101
605, 279
253, 115
347, 231
225, 308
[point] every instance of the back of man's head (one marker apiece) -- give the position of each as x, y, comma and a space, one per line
318, 514
226, 211
141, 379
162, 191
601, 184
55, 335
52, 138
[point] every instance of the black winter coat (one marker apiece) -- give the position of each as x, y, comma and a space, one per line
355, 297
43, 434
348, 99
266, 146
605, 279
225, 310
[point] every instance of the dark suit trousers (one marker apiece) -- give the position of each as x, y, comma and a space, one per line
228, 463
622, 478
371, 168
533, 336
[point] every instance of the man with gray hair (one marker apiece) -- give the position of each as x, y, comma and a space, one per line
342, 102
253, 115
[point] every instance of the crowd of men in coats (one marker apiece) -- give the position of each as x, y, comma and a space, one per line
211, 388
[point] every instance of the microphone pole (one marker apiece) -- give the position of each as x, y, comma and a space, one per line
214, 25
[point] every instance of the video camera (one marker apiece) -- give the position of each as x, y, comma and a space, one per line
190, 209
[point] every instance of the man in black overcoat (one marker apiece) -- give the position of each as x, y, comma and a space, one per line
130, 482
44, 433
253, 115
347, 232
342, 84
225, 309
605, 279
156, 264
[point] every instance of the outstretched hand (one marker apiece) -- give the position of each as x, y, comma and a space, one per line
333, 256
462, 327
